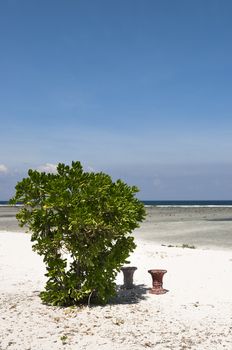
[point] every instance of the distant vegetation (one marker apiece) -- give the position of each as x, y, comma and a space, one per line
188, 246
184, 245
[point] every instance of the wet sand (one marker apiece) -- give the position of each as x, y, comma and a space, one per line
8, 220
203, 227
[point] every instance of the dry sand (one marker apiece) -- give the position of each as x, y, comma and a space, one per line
196, 313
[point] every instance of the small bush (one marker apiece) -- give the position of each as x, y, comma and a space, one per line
81, 224
185, 245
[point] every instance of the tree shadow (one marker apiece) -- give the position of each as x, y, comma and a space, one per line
130, 296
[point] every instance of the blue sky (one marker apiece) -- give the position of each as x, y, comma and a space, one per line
140, 89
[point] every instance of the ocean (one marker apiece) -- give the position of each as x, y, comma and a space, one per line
177, 203
189, 203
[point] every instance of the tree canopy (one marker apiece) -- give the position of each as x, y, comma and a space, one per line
81, 223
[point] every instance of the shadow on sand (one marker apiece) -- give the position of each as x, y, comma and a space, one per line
130, 296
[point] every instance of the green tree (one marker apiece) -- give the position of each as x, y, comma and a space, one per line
81, 224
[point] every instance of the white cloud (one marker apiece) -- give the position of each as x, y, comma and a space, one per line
48, 168
90, 169
157, 182
3, 169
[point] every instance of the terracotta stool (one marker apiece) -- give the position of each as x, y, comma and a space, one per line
128, 273
157, 281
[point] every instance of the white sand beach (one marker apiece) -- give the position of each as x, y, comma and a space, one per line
195, 313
